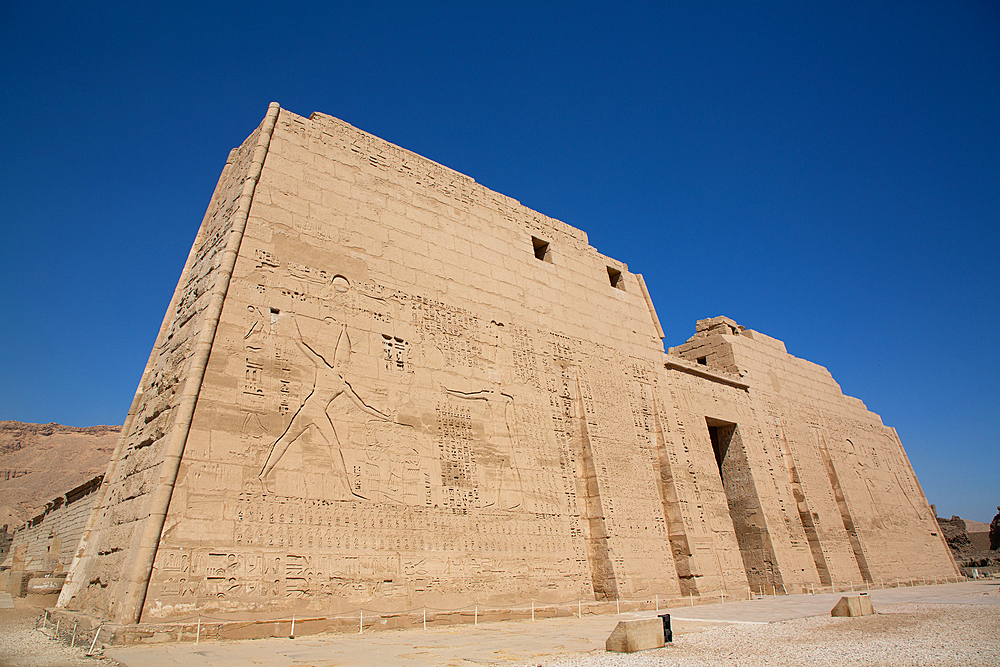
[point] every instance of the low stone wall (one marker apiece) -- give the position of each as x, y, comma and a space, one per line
44, 546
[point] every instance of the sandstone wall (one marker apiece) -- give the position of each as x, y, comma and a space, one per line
405, 404
841, 495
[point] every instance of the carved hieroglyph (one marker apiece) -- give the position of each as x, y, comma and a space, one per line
379, 383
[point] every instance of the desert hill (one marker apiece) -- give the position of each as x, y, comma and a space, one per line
41, 461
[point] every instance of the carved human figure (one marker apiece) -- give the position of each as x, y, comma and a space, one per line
328, 385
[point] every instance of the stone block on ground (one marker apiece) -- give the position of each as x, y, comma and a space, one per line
640, 635
853, 605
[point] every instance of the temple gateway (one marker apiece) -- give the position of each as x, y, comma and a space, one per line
380, 383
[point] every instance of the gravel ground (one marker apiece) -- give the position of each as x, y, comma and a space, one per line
898, 636
23, 644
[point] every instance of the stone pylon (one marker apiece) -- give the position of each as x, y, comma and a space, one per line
381, 384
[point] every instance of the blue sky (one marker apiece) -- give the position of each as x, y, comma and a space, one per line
826, 173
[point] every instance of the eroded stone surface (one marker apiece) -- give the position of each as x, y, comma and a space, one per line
421, 392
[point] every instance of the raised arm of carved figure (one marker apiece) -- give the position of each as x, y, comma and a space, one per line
307, 349
313, 355
342, 354
361, 404
481, 395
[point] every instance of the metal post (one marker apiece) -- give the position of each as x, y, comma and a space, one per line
477, 614
657, 603
72, 643
691, 598
197, 637
292, 634
532, 610
94, 643
58, 623
361, 622
618, 606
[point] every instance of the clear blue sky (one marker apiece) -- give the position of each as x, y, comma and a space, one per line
826, 173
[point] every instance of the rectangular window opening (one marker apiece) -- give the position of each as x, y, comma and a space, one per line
542, 251
615, 276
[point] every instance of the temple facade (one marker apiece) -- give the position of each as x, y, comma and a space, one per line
380, 383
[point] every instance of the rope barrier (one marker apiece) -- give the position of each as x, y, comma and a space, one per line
528, 609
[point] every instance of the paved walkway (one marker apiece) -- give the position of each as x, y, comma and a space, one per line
513, 641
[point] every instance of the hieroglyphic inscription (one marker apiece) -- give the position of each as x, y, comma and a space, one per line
454, 331
523, 353
354, 550
457, 455
395, 354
